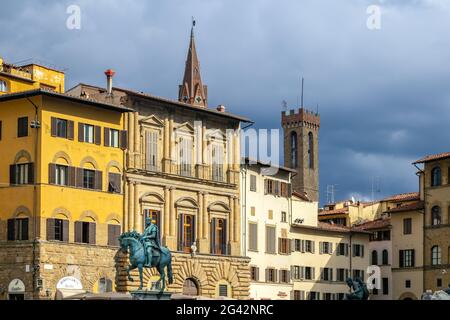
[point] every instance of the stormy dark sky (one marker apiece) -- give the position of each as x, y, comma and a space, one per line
383, 95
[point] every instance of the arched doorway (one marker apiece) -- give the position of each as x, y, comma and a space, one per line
190, 287
16, 290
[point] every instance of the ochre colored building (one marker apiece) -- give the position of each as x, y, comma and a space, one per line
61, 186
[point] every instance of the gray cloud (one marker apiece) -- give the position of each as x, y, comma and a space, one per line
383, 95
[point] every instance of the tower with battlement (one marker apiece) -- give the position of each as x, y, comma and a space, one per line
301, 149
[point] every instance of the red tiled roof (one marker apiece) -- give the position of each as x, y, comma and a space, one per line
381, 223
403, 197
335, 211
408, 207
324, 226
433, 157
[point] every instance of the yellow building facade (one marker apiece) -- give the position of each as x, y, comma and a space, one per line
61, 187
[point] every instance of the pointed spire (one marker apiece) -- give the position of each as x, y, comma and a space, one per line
192, 90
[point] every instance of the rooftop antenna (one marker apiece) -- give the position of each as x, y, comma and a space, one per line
331, 191
284, 105
375, 188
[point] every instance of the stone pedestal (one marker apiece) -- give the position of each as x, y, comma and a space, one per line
150, 295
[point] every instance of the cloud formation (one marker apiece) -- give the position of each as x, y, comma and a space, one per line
383, 95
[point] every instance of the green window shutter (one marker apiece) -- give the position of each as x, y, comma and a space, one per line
50, 229
11, 230
51, 173
97, 135
92, 232
65, 230
78, 231
106, 137
70, 130
53, 126
81, 132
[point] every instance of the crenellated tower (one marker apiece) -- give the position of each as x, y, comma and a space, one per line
301, 149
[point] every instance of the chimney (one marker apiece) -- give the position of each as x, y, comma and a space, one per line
221, 108
109, 75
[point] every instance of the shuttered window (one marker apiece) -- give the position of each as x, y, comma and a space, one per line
298, 295
113, 235
61, 175
151, 150
284, 276
271, 275
85, 232
284, 246
217, 162
326, 274
253, 237
185, 157
254, 273
58, 229
114, 182
111, 137
270, 239
21, 173
17, 229
252, 183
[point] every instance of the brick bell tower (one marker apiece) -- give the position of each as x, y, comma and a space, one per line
301, 149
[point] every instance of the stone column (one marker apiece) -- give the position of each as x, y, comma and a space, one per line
137, 210
231, 221
137, 142
205, 216
237, 220
166, 156
171, 239
203, 240
131, 139
166, 211
125, 226
200, 215
130, 205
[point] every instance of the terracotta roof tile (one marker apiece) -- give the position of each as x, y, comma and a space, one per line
335, 211
381, 223
418, 205
433, 157
403, 197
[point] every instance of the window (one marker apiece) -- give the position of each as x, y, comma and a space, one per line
385, 257
327, 296
309, 246
342, 249
58, 229
385, 286
294, 150
407, 258
61, 128
185, 157
358, 274
436, 177
217, 162
114, 182
309, 273
298, 295
112, 138
218, 236
341, 274
438, 282
296, 272
22, 127
85, 232
407, 226
21, 173
18, 229
3, 86
186, 232
435, 216
254, 273
314, 295
105, 285
358, 250
154, 215
326, 248
374, 257
88, 179
252, 237
270, 214
114, 231
283, 216
151, 150
297, 245
252, 183
311, 150
270, 239
407, 283
61, 175
326, 274
271, 275
285, 276
436, 256
284, 246
88, 133
223, 290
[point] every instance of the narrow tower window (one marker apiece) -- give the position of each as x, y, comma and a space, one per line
294, 151
311, 150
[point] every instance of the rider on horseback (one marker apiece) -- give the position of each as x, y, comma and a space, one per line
150, 239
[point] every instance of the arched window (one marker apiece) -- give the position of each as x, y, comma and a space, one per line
190, 287
374, 257
3, 86
311, 150
435, 255
436, 216
436, 177
385, 257
294, 150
